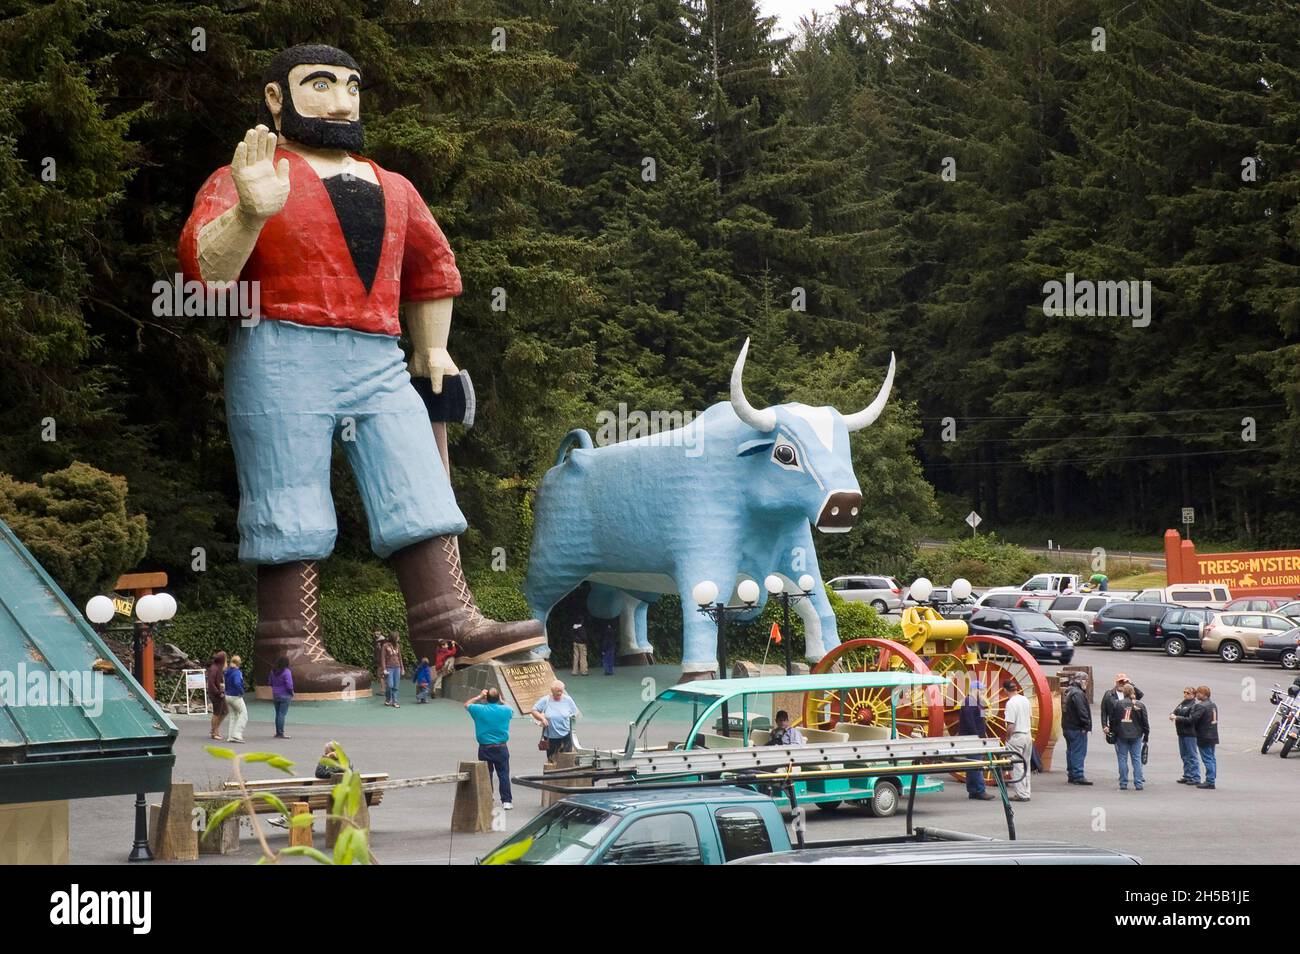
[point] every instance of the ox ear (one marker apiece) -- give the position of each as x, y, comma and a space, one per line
753, 447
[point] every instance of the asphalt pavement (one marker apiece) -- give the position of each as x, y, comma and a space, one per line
1242, 822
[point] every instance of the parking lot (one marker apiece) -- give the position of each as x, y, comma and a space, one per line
1167, 823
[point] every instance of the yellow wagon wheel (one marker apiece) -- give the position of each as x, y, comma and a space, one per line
920, 713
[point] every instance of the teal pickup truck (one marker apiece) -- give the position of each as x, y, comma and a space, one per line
724, 824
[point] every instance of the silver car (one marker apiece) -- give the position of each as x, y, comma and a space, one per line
1074, 613
882, 592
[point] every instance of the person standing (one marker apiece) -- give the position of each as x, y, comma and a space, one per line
607, 646
1180, 717
235, 699
391, 658
1131, 730
281, 693
971, 721
1019, 719
1111, 698
1204, 721
555, 714
492, 732
217, 692
423, 678
1076, 723
580, 648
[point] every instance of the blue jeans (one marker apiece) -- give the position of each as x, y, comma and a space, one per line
392, 675
1076, 750
974, 783
1207, 756
422, 692
607, 657
281, 710
1127, 750
498, 759
1191, 763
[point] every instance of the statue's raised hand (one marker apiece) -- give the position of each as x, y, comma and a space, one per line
262, 185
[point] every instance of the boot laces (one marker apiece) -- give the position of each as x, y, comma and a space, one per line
309, 597
452, 550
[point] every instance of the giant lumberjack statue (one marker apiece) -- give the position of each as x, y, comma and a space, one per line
336, 244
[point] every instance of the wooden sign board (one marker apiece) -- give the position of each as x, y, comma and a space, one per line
528, 682
123, 605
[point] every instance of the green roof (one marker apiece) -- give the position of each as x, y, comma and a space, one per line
809, 683
103, 734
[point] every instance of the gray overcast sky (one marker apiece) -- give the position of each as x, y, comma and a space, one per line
788, 12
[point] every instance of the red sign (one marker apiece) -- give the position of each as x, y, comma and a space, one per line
1249, 573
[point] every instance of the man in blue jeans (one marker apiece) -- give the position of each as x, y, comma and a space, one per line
1076, 723
492, 731
971, 720
1181, 717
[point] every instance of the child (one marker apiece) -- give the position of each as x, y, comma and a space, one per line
423, 678
444, 663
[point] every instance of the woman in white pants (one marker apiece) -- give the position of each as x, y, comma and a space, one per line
235, 700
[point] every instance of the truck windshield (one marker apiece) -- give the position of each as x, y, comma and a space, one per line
667, 720
564, 834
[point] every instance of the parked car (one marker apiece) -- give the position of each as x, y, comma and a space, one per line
1259, 604
1236, 636
1125, 624
1187, 594
955, 852
1000, 599
1030, 629
1291, 609
939, 595
1074, 613
1045, 583
1282, 648
883, 592
1181, 628
1039, 604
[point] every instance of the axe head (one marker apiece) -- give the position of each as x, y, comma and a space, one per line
455, 405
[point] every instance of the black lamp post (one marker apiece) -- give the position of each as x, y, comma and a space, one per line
775, 586
705, 595
150, 611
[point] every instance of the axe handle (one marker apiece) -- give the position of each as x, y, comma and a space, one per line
440, 438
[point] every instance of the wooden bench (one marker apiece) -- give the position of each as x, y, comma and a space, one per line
290, 790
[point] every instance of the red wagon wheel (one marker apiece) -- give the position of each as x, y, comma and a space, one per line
996, 659
919, 713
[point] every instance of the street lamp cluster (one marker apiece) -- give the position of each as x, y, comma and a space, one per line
705, 594
150, 610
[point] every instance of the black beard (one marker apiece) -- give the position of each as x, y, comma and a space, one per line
321, 133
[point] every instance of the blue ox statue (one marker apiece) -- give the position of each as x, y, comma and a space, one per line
732, 495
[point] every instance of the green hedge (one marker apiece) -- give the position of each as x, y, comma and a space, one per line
348, 620
984, 560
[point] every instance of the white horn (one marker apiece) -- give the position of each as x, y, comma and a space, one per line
867, 416
763, 420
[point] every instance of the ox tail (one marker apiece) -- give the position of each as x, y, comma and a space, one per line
575, 438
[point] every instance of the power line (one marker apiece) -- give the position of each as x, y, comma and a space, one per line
1100, 437
1089, 460
1111, 414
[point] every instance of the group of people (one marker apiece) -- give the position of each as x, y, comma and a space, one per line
226, 690
972, 719
1126, 724
428, 675
603, 631
492, 716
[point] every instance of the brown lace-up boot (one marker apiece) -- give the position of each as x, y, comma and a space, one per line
288, 624
439, 605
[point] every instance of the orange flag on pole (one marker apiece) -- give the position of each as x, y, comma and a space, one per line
775, 634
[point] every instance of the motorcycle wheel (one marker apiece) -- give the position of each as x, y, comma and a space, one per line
1269, 739
1287, 746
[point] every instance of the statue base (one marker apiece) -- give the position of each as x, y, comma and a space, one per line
520, 683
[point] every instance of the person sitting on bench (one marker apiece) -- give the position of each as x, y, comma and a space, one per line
785, 733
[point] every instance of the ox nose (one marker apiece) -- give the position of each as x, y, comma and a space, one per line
839, 511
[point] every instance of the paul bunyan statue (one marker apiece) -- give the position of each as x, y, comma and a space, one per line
336, 244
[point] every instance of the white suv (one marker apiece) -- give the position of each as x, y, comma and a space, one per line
882, 592
1208, 595
1074, 613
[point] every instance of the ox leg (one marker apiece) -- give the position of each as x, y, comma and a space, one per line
542, 593
699, 632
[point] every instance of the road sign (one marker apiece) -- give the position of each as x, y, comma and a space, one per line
1189, 515
974, 519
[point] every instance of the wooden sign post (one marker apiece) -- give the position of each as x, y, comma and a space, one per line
528, 682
